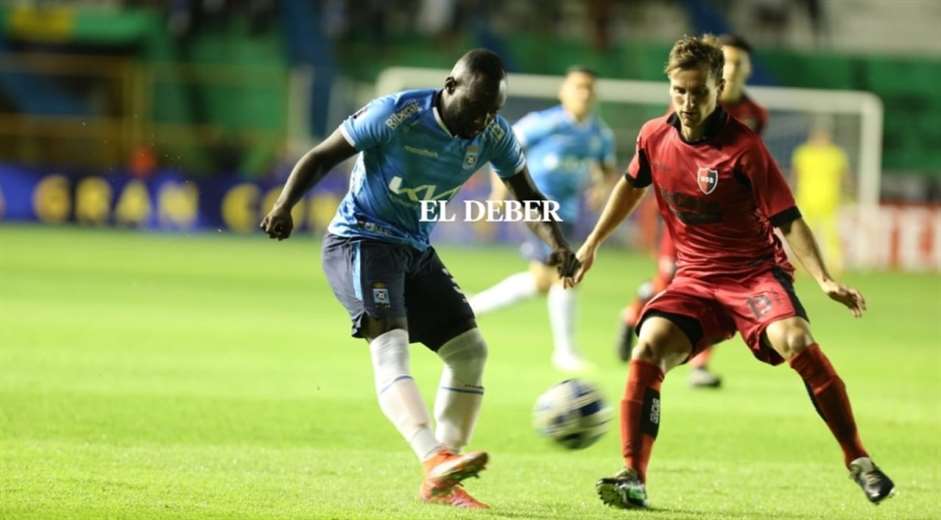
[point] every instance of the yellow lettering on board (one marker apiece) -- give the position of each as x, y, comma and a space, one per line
178, 204
51, 199
133, 207
321, 210
239, 208
92, 200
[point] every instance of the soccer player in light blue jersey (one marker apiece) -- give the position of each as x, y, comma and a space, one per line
416, 146
570, 151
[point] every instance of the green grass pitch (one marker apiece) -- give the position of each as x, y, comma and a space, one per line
212, 376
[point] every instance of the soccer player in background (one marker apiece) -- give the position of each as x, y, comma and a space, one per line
570, 151
415, 145
720, 194
735, 102
820, 172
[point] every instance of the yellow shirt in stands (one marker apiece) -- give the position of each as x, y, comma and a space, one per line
819, 170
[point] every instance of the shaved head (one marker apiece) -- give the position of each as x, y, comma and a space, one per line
473, 93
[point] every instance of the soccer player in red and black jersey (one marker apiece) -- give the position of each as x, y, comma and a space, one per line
733, 99
720, 194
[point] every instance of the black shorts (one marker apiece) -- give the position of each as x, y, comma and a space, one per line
385, 280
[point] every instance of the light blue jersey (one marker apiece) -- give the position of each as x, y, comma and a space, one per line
408, 155
561, 152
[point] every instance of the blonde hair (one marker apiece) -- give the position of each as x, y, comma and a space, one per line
691, 52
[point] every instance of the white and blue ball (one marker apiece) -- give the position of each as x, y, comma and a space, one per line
572, 414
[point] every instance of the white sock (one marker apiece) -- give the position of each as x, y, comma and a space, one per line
460, 392
398, 394
561, 303
519, 286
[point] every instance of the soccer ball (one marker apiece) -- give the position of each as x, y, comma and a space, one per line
572, 413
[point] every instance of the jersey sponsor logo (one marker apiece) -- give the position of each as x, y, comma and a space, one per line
471, 156
421, 151
411, 108
420, 193
496, 131
692, 210
707, 179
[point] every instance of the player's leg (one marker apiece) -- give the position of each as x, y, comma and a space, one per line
368, 277
677, 324
700, 376
561, 304
660, 346
440, 318
630, 316
792, 339
512, 289
775, 326
517, 287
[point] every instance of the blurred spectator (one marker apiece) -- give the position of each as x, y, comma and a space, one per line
820, 172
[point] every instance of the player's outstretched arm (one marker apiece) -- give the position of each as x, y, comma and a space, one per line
523, 189
623, 200
308, 171
801, 240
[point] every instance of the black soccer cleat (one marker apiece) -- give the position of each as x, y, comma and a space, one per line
876, 485
623, 491
625, 342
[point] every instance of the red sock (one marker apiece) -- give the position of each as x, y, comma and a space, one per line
829, 396
701, 359
640, 415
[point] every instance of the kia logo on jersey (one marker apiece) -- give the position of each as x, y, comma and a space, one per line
707, 180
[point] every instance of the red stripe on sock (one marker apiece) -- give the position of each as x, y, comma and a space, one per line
635, 445
831, 399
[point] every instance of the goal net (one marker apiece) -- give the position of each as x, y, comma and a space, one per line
854, 120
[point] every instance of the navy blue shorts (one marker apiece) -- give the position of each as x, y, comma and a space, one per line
384, 280
533, 248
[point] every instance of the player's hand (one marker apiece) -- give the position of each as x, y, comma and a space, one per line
565, 262
278, 223
848, 296
585, 257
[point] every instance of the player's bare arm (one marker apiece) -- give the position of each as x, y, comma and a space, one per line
802, 242
308, 171
523, 189
623, 200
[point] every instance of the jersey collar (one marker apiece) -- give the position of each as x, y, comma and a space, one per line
714, 123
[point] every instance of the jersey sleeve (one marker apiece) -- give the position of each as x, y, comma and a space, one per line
507, 155
607, 156
531, 129
367, 127
638, 171
772, 194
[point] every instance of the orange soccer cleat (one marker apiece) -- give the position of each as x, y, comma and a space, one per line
444, 472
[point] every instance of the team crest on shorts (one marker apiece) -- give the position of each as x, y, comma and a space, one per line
380, 294
707, 179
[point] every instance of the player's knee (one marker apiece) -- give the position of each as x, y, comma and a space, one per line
390, 359
789, 337
466, 355
544, 279
649, 351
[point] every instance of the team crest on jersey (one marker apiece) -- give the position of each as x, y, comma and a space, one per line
470, 157
707, 179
